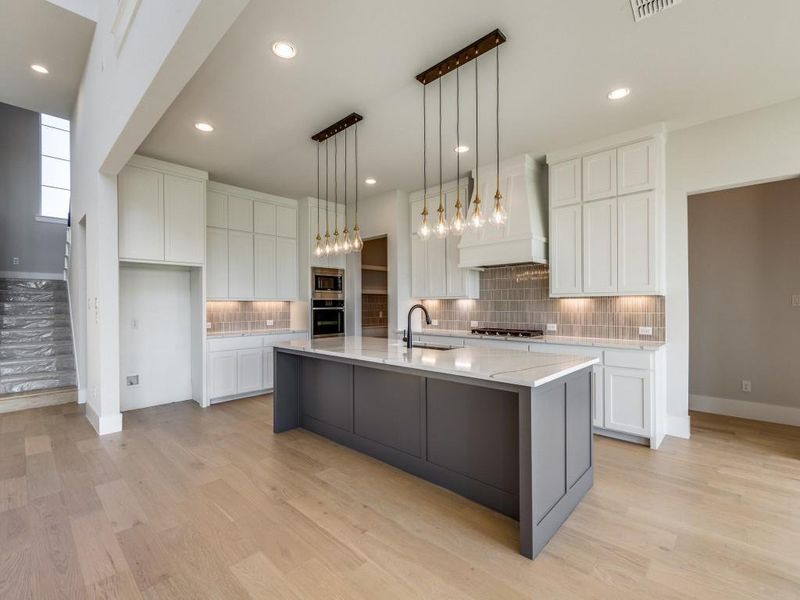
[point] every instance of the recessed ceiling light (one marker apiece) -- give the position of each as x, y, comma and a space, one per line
284, 49
461, 149
40, 69
370, 181
204, 127
619, 93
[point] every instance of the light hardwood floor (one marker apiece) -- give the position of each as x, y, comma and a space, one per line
193, 503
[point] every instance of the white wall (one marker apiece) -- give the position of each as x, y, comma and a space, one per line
384, 214
155, 335
753, 147
38, 246
123, 93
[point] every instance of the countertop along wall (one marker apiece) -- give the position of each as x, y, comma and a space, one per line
38, 245
744, 267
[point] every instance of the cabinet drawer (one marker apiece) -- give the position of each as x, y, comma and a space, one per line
628, 359
235, 343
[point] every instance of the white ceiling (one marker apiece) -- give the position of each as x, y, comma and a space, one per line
38, 32
700, 60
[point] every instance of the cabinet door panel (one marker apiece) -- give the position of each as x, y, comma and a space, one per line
269, 368
598, 389
240, 265
184, 220
456, 278
565, 183
264, 218
287, 275
221, 374
240, 213
637, 167
216, 209
437, 267
217, 263
141, 214
265, 267
286, 219
600, 246
249, 373
600, 175
627, 400
565, 250
637, 245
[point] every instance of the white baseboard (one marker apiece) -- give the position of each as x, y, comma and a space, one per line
82, 395
679, 426
105, 424
30, 275
756, 411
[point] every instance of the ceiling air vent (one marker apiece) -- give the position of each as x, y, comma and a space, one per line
642, 9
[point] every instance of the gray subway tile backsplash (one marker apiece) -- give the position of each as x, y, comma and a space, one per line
243, 316
518, 297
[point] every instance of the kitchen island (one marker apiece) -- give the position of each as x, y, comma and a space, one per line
509, 429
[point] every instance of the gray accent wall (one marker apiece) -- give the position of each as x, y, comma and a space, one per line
39, 246
744, 267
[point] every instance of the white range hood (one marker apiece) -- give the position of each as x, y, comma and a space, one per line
523, 238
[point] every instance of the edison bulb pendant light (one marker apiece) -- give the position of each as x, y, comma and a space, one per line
424, 231
476, 219
347, 246
326, 249
442, 227
358, 243
458, 223
499, 215
318, 247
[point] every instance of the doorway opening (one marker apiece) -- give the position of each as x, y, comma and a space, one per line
374, 288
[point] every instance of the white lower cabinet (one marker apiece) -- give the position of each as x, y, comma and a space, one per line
627, 400
222, 374
242, 366
598, 392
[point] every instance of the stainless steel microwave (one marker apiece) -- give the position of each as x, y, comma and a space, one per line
327, 283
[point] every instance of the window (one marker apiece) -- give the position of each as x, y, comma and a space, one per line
55, 168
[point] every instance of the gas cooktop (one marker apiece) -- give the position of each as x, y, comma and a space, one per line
508, 332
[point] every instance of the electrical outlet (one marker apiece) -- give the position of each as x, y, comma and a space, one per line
552, 327
132, 380
645, 331
473, 323
435, 322
270, 322
208, 324
795, 299
15, 260
746, 386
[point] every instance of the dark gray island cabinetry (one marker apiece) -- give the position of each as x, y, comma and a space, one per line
508, 429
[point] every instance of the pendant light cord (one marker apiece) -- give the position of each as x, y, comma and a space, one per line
441, 198
327, 211
318, 189
335, 184
356, 221
477, 145
458, 137
424, 151
345, 179
497, 111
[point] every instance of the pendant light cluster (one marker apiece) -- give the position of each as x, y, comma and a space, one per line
475, 218
338, 242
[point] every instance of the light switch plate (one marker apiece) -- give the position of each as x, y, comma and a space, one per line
552, 327
645, 331
270, 322
746, 385
473, 323
15, 260
434, 322
795, 299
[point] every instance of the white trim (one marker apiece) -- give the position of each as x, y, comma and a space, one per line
82, 395
104, 425
145, 162
679, 426
620, 139
756, 411
224, 188
72, 335
30, 275
54, 220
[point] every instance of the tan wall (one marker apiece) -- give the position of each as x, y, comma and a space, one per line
744, 267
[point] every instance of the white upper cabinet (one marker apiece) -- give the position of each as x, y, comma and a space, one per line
600, 175
566, 259
434, 262
619, 218
262, 265
637, 167
264, 218
600, 246
162, 212
240, 265
141, 213
184, 220
217, 209
217, 263
286, 221
240, 213
565, 183
636, 226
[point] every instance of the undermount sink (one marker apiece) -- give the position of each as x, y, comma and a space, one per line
425, 346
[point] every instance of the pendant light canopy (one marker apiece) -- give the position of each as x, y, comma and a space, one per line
475, 218
339, 243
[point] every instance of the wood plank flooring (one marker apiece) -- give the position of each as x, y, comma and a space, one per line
193, 503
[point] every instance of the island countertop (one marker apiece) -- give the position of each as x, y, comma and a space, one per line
516, 367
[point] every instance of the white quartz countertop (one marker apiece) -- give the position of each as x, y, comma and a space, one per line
550, 339
517, 367
230, 334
